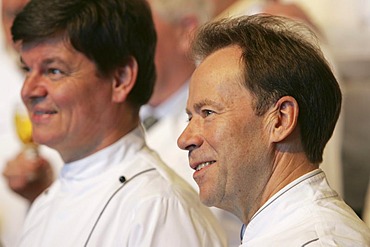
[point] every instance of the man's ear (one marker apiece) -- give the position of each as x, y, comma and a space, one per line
283, 119
124, 80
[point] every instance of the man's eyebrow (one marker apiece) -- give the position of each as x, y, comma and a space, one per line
47, 61
205, 102
53, 60
199, 105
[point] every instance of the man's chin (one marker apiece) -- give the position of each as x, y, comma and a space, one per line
206, 199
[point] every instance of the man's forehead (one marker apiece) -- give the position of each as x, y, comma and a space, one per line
222, 64
229, 55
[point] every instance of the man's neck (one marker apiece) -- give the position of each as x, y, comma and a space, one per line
287, 168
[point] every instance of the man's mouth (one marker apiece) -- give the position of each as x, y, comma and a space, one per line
204, 164
44, 112
42, 116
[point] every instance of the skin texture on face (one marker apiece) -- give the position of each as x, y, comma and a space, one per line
224, 131
72, 108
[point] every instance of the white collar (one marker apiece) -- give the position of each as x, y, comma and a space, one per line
257, 223
111, 156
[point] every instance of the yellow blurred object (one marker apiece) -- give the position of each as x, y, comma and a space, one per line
24, 127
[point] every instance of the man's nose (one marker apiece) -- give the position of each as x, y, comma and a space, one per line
33, 88
190, 138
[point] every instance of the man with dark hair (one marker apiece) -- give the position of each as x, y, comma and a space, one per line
262, 105
89, 67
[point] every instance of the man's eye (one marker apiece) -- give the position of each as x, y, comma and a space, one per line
206, 113
54, 72
25, 69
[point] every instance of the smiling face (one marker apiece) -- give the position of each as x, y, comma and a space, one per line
69, 103
227, 143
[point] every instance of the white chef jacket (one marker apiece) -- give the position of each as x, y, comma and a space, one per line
154, 207
162, 137
307, 212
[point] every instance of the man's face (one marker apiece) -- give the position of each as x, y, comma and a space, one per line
226, 141
10, 8
69, 104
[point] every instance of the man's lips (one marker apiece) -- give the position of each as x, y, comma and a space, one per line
41, 115
200, 166
42, 112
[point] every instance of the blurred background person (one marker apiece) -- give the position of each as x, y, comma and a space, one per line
14, 162
164, 116
224, 8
